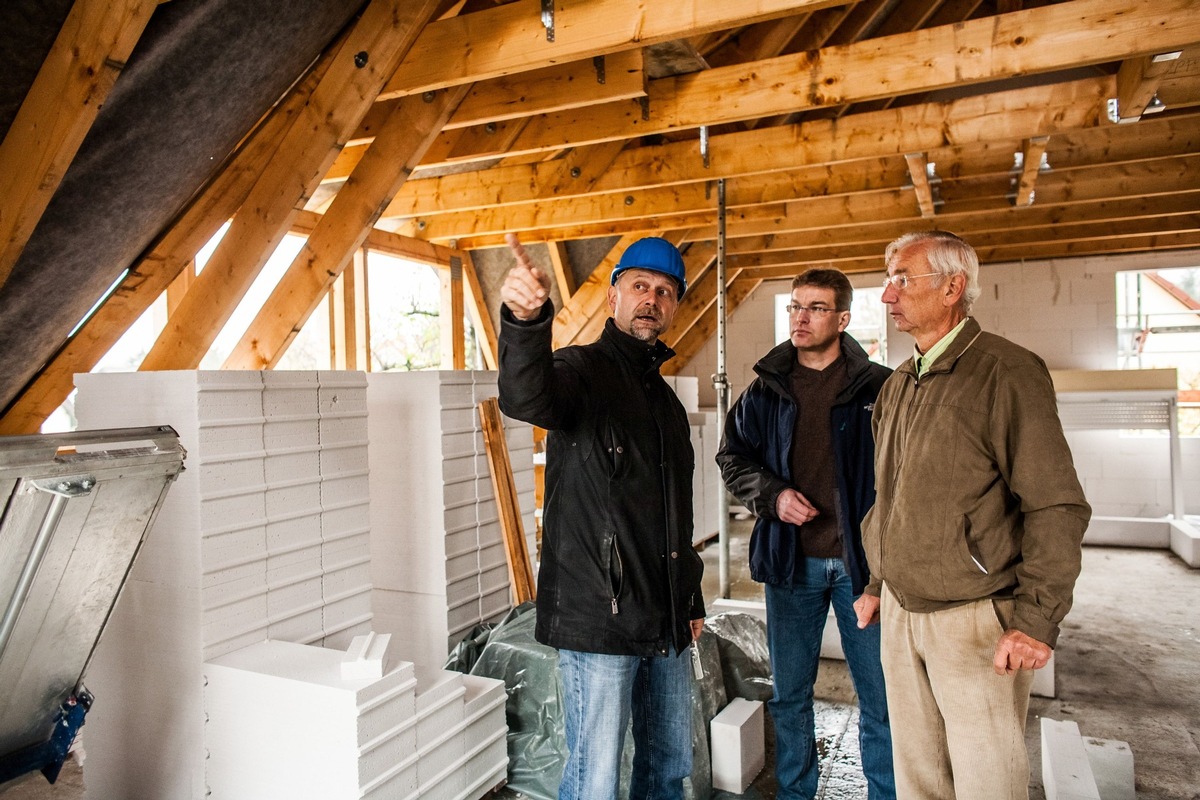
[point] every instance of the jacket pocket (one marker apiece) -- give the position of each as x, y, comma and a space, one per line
970, 545
616, 572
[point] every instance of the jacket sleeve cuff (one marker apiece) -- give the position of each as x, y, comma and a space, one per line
507, 318
1028, 621
874, 587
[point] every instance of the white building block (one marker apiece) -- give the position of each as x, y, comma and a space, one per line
738, 746
1112, 767
365, 657
284, 723
1066, 771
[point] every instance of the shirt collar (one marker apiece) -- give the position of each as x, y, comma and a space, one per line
923, 361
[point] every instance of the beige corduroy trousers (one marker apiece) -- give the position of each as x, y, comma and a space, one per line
958, 728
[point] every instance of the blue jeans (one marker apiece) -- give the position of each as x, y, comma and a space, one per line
600, 692
795, 620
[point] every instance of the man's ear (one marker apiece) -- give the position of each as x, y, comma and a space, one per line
953, 289
844, 321
612, 298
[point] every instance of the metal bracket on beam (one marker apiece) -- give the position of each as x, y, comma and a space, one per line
704, 144
598, 64
644, 102
548, 19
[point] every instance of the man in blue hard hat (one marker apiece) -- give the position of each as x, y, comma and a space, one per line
619, 583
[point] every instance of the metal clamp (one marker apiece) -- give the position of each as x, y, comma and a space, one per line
548, 19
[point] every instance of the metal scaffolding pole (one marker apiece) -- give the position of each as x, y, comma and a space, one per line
721, 384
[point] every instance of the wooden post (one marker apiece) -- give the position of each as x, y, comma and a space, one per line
454, 350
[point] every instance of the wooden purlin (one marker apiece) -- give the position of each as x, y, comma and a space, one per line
520, 569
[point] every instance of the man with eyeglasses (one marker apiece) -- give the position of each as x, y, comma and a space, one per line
974, 539
798, 452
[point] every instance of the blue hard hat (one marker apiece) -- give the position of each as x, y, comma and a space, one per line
656, 255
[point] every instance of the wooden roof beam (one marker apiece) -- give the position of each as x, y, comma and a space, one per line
510, 38
58, 111
481, 318
154, 272
560, 261
1033, 150
919, 172
1138, 80
386, 242
699, 334
1000, 116
1164, 176
869, 246
1011, 219
340, 232
558, 88
1019, 252
1044, 39
386, 30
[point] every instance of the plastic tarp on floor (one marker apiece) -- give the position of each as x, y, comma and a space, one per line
733, 653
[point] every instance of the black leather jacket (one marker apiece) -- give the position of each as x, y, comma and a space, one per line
618, 573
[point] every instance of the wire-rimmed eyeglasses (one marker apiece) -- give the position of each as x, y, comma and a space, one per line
899, 281
818, 311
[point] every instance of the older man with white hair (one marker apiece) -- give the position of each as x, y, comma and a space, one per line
974, 538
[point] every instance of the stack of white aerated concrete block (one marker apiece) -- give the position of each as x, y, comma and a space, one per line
438, 561
264, 535
706, 481
289, 721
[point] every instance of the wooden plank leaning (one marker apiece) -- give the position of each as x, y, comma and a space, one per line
520, 570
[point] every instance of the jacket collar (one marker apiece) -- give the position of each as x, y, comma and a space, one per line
775, 368
641, 356
946, 361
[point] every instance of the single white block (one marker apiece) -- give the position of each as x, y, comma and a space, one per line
1112, 767
1043, 679
738, 748
366, 657
1066, 771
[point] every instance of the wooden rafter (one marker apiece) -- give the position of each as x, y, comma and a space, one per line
918, 172
386, 29
59, 109
385, 242
349, 317
453, 343
1036, 40
343, 229
1003, 116
481, 319
560, 261
152, 274
1138, 80
706, 326
1032, 150
510, 38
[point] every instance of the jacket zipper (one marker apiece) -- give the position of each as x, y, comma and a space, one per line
621, 572
896, 469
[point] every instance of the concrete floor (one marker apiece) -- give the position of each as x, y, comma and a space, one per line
1127, 668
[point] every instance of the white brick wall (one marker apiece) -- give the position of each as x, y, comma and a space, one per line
1065, 311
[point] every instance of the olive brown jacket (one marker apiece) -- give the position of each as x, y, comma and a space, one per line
976, 493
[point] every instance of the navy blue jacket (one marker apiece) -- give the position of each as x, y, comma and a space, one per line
755, 463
